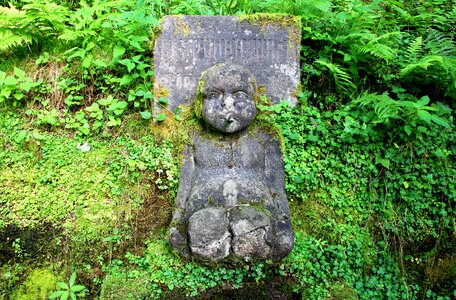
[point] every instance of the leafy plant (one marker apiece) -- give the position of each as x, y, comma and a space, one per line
69, 290
37, 23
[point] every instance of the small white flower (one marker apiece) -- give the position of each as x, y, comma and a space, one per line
84, 147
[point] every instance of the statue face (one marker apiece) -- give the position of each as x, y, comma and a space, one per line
228, 104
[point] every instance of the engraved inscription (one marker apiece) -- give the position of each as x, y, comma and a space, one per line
180, 57
191, 51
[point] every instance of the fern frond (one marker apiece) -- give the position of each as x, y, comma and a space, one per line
414, 49
424, 63
36, 22
357, 36
384, 106
379, 50
438, 43
311, 7
9, 40
342, 79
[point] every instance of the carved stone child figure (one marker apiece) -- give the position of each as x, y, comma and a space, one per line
231, 203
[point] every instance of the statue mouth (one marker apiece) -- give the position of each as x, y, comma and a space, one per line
229, 119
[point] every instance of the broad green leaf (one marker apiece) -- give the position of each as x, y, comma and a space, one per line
106, 101
440, 153
22, 135
146, 114
130, 66
139, 93
18, 96
56, 294
87, 61
100, 63
80, 53
5, 93
439, 120
408, 129
425, 116
148, 95
406, 185
77, 288
63, 285
118, 51
10, 80
126, 80
92, 108
90, 46
160, 117
423, 101
385, 162
125, 61
27, 85
113, 121
84, 129
19, 72
163, 100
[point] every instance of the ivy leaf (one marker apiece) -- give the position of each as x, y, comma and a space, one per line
146, 115
160, 117
139, 93
163, 100
148, 95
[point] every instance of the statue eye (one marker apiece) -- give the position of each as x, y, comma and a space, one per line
240, 95
213, 95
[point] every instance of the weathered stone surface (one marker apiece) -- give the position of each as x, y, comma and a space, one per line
228, 104
188, 45
231, 202
208, 233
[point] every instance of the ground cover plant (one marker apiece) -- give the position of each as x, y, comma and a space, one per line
87, 181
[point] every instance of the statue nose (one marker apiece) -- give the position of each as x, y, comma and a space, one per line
228, 102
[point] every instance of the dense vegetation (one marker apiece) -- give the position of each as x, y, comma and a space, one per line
87, 181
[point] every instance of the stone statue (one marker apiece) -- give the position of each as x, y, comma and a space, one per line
231, 203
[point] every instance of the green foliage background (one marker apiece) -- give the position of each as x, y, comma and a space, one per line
369, 152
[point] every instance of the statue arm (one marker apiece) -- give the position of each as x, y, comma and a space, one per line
178, 230
275, 175
185, 180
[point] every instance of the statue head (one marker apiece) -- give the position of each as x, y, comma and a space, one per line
227, 93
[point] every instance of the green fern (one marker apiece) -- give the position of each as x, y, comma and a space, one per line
414, 49
37, 22
436, 50
424, 63
439, 43
387, 108
342, 79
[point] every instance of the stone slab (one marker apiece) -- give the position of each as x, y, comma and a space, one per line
188, 45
